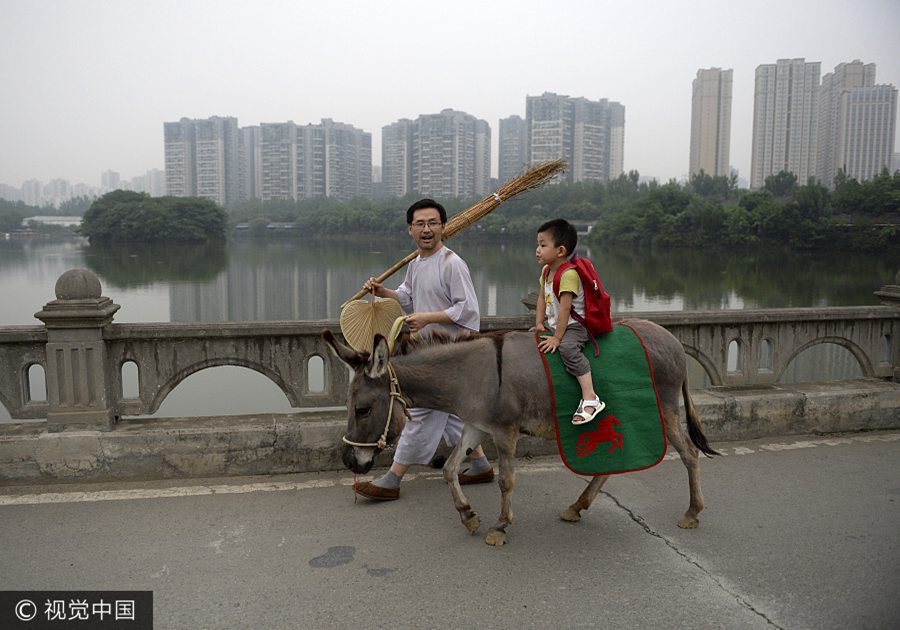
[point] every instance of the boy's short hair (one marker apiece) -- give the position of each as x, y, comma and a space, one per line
425, 203
563, 234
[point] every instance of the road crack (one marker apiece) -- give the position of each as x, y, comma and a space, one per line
740, 599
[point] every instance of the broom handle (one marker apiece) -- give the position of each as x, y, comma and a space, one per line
387, 274
454, 226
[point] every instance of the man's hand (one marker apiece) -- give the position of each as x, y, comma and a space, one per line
549, 344
540, 327
417, 321
371, 284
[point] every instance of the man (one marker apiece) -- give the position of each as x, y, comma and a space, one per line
437, 294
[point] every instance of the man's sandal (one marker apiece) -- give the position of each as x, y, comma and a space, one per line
583, 417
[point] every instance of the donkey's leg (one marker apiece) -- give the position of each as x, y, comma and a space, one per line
688, 453
506, 453
471, 438
573, 512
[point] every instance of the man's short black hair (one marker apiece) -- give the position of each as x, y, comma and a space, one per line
426, 203
563, 234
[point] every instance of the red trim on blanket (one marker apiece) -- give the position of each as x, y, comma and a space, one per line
537, 339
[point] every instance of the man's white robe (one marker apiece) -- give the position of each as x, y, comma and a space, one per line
440, 282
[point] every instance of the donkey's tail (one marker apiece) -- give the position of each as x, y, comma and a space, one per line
695, 427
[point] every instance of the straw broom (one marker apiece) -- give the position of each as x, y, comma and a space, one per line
528, 180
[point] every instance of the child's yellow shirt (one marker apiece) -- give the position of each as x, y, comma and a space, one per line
568, 282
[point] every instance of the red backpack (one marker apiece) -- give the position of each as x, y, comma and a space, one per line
597, 319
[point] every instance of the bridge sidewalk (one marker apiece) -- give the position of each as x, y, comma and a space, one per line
163, 448
797, 533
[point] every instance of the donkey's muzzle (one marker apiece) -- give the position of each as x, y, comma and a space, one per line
359, 460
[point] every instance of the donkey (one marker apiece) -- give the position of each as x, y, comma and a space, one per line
497, 384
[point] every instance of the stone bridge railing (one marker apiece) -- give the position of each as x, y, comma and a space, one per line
84, 355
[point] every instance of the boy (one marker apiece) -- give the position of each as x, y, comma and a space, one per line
556, 241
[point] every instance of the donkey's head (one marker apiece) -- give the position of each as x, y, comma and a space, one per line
372, 420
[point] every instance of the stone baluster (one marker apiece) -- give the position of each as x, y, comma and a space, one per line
79, 394
890, 296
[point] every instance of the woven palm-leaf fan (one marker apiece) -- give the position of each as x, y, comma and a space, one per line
361, 320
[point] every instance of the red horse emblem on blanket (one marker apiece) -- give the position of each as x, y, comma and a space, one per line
588, 442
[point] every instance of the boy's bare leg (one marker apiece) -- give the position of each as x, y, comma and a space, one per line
587, 390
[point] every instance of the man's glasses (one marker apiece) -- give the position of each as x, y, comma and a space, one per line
421, 224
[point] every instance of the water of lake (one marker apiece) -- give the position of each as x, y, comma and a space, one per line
307, 279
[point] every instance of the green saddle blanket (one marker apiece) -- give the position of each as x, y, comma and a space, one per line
629, 434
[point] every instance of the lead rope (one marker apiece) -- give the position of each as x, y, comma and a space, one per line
395, 394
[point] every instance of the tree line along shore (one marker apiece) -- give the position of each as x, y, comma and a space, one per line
705, 211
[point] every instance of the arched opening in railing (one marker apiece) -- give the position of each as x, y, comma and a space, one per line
224, 390
698, 377
825, 361
735, 359
315, 374
766, 356
885, 354
130, 376
35, 383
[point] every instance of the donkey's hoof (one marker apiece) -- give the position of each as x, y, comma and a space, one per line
570, 514
495, 538
473, 523
689, 522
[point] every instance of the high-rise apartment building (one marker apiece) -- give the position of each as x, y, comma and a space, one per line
512, 147
482, 184
856, 123
278, 161
616, 140
249, 165
711, 122
588, 135
348, 160
326, 160
441, 155
846, 76
109, 180
201, 158
865, 144
397, 157
216, 158
155, 182
178, 138
785, 120
549, 118
33, 192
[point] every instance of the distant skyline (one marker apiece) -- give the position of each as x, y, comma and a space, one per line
88, 84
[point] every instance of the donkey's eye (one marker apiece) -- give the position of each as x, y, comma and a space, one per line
363, 411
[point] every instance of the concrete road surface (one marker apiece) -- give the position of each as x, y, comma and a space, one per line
801, 532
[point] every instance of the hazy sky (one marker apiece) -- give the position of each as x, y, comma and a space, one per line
87, 84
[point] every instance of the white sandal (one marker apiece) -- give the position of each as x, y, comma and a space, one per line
583, 417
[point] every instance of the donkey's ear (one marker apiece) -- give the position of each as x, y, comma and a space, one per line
345, 353
378, 361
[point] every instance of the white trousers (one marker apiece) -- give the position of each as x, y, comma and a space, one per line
422, 435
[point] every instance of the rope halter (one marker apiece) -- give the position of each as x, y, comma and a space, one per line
395, 394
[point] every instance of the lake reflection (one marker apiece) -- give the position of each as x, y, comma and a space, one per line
308, 279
